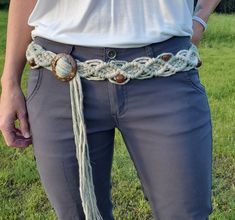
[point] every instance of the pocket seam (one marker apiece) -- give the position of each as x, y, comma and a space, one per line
37, 86
201, 89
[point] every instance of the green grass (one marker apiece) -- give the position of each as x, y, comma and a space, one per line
22, 196
221, 32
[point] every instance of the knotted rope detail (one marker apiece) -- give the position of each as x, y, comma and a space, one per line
163, 65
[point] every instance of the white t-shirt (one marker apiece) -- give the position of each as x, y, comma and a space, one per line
111, 23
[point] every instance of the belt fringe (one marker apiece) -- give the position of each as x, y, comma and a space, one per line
82, 152
116, 71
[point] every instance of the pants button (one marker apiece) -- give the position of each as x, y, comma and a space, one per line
111, 54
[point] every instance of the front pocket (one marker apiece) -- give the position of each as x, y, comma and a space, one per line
33, 83
192, 76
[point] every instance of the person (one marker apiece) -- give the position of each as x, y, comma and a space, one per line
165, 121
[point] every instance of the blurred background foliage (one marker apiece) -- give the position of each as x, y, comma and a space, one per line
225, 7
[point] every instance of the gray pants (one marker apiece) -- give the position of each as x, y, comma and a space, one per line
165, 123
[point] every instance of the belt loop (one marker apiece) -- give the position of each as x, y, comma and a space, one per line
53, 46
69, 49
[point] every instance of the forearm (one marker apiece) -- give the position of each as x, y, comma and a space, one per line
204, 8
18, 37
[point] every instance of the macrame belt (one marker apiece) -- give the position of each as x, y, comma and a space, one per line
66, 68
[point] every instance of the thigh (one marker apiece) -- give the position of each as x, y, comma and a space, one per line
167, 130
50, 117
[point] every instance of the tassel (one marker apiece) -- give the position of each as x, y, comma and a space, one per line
82, 152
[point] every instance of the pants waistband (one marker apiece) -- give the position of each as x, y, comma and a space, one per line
83, 53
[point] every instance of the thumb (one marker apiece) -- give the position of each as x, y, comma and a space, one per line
24, 124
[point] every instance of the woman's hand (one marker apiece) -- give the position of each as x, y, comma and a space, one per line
197, 33
12, 101
12, 107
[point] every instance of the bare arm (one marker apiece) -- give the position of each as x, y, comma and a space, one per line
12, 102
18, 37
204, 9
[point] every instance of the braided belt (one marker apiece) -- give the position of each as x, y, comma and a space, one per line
65, 68
116, 71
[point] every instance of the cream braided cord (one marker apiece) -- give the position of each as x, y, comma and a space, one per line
82, 153
164, 65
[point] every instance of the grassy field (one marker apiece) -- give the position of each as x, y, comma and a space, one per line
22, 196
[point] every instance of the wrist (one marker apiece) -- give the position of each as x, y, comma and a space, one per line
11, 76
200, 21
203, 12
10, 82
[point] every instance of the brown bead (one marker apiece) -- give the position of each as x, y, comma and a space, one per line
119, 78
32, 63
199, 63
166, 57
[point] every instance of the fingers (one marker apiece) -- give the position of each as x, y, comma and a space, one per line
22, 135
12, 108
20, 140
24, 124
7, 128
13, 136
